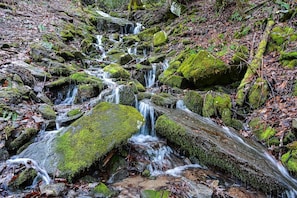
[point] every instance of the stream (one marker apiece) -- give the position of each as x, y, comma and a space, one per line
166, 165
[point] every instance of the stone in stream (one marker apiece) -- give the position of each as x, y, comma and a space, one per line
74, 149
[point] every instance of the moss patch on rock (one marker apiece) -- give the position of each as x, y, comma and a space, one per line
117, 71
194, 101
204, 69
92, 136
160, 38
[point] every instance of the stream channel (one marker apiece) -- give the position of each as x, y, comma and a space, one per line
168, 168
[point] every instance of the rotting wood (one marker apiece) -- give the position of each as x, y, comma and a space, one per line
245, 84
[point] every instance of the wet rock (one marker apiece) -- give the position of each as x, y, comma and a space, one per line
127, 96
4, 155
52, 190
75, 148
47, 111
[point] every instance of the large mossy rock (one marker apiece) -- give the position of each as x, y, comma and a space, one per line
203, 69
87, 140
258, 93
221, 147
117, 71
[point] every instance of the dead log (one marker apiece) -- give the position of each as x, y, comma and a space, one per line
223, 148
253, 67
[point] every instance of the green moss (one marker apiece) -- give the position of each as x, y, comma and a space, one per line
102, 190
160, 38
47, 111
24, 179
170, 76
73, 112
147, 34
289, 159
194, 101
167, 127
86, 140
116, 71
155, 194
261, 131
203, 69
281, 34
222, 103
208, 108
84, 78
258, 93
163, 99
295, 89
289, 59
241, 55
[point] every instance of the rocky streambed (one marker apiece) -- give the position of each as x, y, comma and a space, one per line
69, 106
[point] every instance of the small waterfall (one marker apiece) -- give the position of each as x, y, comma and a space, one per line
30, 163
69, 98
138, 28
150, 76
148, 113
100, 47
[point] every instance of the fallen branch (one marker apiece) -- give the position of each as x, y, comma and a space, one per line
245, 84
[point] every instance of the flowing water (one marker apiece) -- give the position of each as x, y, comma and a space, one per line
162, 159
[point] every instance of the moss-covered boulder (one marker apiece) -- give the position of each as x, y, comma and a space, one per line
126, 94
208, 109
160, 38
47, 111
171, 77
117, 71
164, 99
258, 93
203, 69
194, 101
87, 140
